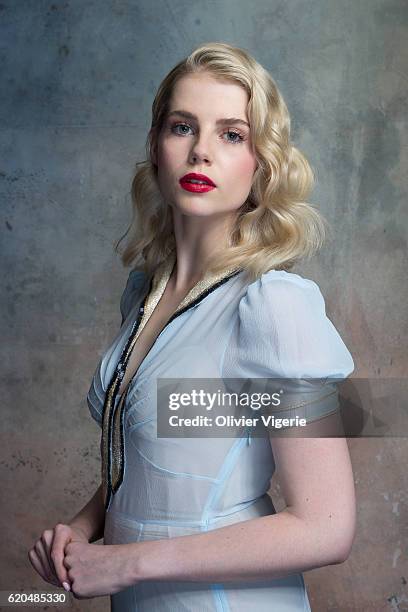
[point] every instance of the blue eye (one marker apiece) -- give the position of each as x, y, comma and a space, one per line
237, 140
177, 125
185, 127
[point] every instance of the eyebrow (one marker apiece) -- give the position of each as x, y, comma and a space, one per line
224, 121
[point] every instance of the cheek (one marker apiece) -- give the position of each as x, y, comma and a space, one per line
170, 151
171, 165
163, 156
244, 168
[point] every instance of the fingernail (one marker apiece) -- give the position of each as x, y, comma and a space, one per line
66, 586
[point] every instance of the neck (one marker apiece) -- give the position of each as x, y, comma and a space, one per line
197, 239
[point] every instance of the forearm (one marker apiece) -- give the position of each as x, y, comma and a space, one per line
91, 519
267, 547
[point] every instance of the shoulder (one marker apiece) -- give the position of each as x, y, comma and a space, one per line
283, 315
285, 279
134, 285
281, 290
135, 277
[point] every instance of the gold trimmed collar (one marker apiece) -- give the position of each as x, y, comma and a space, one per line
112, 443
159, 284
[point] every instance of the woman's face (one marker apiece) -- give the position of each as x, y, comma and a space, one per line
205, 137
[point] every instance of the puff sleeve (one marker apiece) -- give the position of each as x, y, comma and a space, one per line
283, 333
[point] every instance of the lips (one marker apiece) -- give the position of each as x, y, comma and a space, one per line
197, 177
186, 182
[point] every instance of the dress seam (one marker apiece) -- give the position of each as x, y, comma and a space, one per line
183, 474
220, 597
122, 516
224, 352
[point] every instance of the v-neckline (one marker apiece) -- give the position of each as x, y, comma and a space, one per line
159, 284
112, 440
157, 287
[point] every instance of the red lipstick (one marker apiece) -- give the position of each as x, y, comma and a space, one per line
196, 183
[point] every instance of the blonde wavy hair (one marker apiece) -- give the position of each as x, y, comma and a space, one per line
275, 227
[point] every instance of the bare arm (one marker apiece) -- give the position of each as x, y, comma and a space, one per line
91, 519
316, 528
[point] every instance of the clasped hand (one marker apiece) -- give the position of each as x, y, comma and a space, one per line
64, 555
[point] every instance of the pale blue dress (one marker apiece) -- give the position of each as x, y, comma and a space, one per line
275, 326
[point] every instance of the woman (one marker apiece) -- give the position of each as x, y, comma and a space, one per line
220, 217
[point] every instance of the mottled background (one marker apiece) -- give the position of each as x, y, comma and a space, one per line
77, 83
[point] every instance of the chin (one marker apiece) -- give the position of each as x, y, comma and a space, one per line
193, 212
194, 209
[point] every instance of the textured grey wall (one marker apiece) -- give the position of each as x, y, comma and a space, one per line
78, 79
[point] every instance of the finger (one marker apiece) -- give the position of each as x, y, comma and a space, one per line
37, 564
42, 555
60, 539
46, 538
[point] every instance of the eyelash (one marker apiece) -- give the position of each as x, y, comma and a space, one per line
240, 139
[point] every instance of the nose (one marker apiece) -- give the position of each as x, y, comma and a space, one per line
200, 151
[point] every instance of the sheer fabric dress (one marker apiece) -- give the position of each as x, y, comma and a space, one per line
226, 327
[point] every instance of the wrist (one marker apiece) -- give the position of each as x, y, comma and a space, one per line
152, 560
80, 529
135, 562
